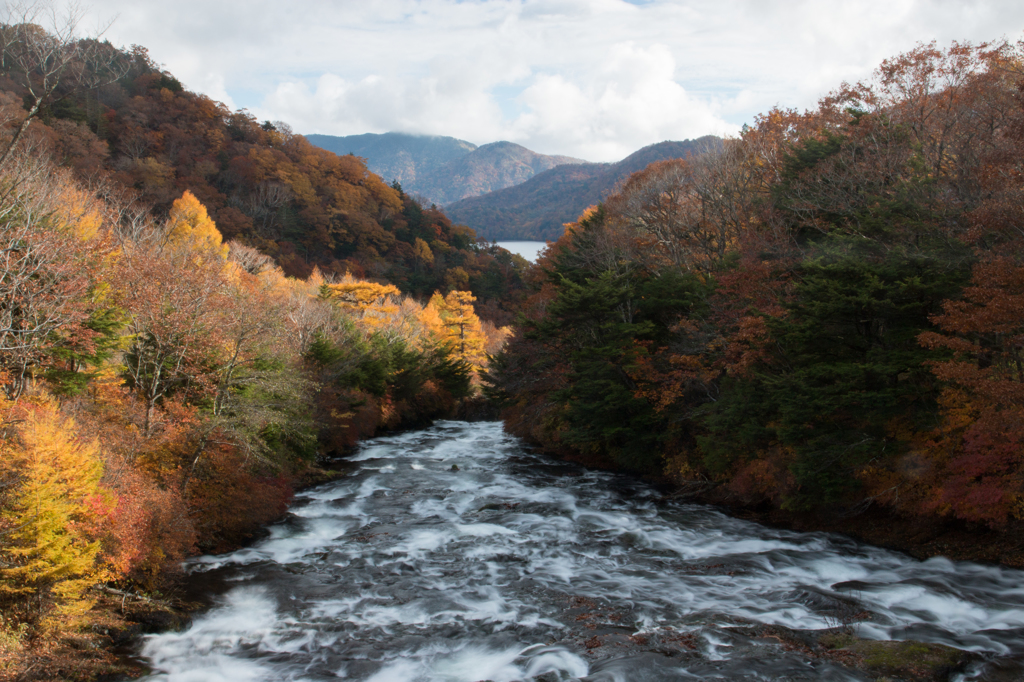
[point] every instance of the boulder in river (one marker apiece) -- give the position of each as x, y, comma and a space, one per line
906, 660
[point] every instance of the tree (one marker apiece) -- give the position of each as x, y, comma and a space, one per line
379, 309
260, 393
978, 448
424, 256
459, 326
57, 500
687, 213
189, 226
51, 255
175, 301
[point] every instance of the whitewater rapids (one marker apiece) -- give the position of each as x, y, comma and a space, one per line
516, 567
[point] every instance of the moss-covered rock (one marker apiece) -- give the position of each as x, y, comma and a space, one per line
897, 661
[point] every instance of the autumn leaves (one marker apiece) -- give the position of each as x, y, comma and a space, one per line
51, 519
839, 304
163, 391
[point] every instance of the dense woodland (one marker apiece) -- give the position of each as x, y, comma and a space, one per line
197, 311
826, 315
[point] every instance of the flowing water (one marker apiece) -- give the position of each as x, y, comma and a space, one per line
516, 567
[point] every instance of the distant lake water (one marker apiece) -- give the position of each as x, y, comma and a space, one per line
528, 250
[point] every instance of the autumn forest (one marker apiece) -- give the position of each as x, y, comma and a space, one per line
826, 313
200, 312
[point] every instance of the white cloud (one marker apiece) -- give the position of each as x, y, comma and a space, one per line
631, 100
377, 104
595, 78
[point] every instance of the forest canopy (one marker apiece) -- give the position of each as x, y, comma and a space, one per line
825, 314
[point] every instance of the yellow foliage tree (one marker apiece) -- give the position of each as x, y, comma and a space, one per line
430, 318
190, 226
77, 209
56, 501
459, 326
375, 306
422, 251
456, 278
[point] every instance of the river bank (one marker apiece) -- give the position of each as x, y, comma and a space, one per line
921, 538
107, 649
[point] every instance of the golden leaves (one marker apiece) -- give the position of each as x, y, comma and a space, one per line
53, 511
189, 226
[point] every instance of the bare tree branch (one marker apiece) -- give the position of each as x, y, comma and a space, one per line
50, 61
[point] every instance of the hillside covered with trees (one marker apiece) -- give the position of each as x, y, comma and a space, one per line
137, 134
826, 315
197, 312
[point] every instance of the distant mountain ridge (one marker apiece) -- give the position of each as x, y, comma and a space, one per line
539, 207
443, 169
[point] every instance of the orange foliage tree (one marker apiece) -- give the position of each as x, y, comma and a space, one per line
980, 448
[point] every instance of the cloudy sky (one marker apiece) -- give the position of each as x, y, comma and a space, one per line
596, 79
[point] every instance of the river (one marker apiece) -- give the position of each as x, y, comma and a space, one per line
455, 554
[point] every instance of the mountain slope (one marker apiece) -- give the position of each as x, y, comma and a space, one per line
537, 208
486, 169
443, 169
147, 139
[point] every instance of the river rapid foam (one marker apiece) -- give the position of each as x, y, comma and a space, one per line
516, 567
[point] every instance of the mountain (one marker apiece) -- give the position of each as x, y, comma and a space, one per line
537, 208
398, 156
443, 169
488, 168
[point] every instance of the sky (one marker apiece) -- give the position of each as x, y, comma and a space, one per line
594, 79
